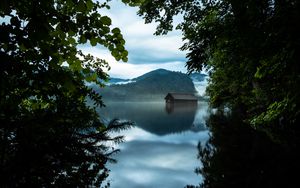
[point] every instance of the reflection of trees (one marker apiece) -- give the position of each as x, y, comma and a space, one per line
154, 117
46, 148
238, 156
49, 136
181, 107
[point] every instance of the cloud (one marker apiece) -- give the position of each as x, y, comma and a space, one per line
188, 137
126, 70
132, 70
155, 164
146, 51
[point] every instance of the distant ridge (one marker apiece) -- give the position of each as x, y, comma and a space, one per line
153, 85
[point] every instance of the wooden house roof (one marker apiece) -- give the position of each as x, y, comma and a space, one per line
181, 96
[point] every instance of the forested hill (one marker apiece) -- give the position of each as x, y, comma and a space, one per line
153, 85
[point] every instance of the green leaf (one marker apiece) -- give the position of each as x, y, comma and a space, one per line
111, 47
93, 41
125, 53
22, 47
258, 73
122, 41
71, 33
74, 64
81, 7
116, 30
105, 20
82, 39
89, 5
86, 71
70, 3
114, 53
118, 57
124, 59
72, 40
120, 47
105, 30
91, 78
119, 36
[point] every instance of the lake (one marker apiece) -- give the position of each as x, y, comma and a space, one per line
161, 149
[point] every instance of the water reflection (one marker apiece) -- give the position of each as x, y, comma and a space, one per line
181, 108
161, 151
159, 119
238, 156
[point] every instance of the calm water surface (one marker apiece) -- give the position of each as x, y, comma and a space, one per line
161, 150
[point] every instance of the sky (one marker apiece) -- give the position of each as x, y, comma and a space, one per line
147, 52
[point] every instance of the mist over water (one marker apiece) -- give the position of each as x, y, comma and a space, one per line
161, 150
200, 86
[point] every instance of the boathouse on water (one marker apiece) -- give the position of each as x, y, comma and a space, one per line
180, 97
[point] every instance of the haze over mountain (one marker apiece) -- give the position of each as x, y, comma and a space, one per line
153, 85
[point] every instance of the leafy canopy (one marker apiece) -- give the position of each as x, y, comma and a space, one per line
250, 48
49, 136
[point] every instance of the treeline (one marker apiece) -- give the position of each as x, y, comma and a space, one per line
251, 49
151, 86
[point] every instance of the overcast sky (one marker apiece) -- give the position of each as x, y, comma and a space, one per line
146, 51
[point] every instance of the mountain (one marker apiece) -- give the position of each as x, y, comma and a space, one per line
157, 72
117, 81
198, 77
153, 85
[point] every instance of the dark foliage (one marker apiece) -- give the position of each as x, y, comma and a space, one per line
238, 156
251, 49
49, 137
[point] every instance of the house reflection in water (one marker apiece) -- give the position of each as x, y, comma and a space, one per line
180, 103
157, 117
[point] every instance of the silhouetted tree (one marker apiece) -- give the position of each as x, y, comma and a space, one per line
250, 48
238, 156
49, 136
